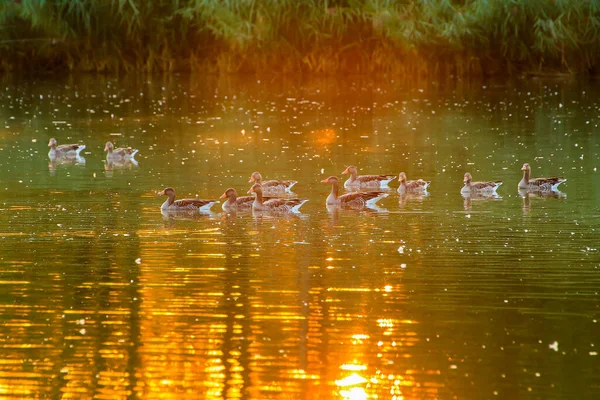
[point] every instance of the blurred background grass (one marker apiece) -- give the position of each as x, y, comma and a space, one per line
406, 37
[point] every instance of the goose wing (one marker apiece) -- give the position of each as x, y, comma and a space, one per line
187, 203
123, 151
68, 147
364, 179
244, 201
275, 183
412, 185
485, 185
546, 181
358, 199
282, 203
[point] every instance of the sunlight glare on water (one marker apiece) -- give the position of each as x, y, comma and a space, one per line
431, 296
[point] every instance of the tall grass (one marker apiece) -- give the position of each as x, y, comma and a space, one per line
424, 37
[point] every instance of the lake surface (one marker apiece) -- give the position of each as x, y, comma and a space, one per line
433, 297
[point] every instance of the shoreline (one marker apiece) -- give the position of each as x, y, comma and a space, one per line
438, 38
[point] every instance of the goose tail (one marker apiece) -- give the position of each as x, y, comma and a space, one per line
296, 208
206, 208
371, 202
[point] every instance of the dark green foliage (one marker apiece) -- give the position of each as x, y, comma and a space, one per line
468, 37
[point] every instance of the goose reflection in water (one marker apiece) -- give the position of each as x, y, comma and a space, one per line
407, 197
171, 216
55, 162
115, 165
526, 195
260, 216
335, 210
470, 197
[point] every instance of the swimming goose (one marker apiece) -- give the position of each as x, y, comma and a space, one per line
234, 202
366, 181
64, 150
479, 187
272, 186
283, 205
189, 205
411, 186
119, 153
356, 200
538, 183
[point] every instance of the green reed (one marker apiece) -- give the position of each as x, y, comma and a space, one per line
422, 37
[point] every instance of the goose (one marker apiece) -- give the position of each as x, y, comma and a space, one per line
366, 181
272, 186
356, 200
64, 150
235, 202
119, 153
189, 205
479, 187
411, 186
538, 184
283, 205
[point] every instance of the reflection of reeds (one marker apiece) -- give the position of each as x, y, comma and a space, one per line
462, 37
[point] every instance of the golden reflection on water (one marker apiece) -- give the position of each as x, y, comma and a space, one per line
103, 298
202, 316
209, 322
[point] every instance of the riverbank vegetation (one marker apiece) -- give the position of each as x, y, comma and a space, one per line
404, 37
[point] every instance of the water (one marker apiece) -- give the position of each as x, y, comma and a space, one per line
439, 297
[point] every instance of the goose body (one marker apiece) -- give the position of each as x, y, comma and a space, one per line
479, 187
418, 186
186, 205
280, 205
119, 153
538, 184
366, 181
235, 202
64, 150
356, 200
272, 186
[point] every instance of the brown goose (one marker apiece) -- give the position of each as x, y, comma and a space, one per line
479, 187
538, 184
234, 202
283, 205
189, 205
357, 200
64, 150
366, 181
411, 186
272, 186
119, 153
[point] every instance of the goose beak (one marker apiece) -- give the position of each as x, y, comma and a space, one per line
223, 196
161, 193
524, 168
105, 148
251, 179
345, 171
325, 181
250, 191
